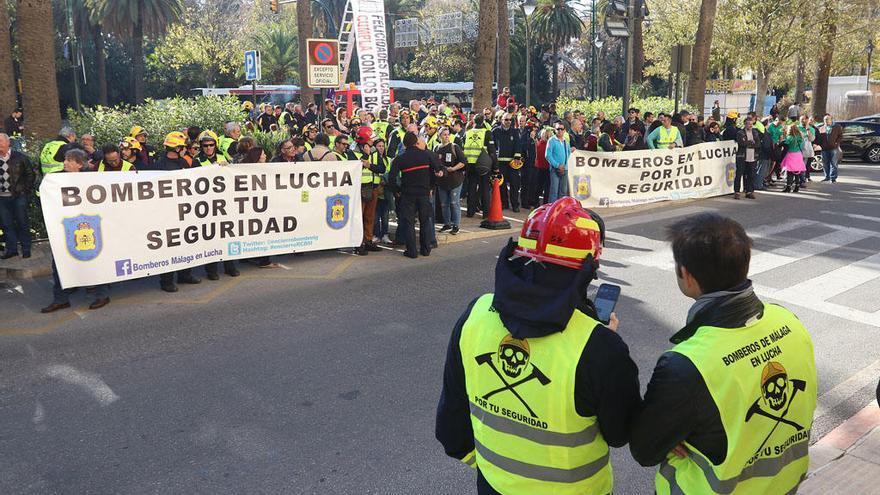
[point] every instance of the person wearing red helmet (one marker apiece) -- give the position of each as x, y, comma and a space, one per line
535, 388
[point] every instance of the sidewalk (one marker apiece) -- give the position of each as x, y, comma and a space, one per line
847, 460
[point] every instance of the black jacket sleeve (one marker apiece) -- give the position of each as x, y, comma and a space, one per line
677, 407
453, 428
607, 385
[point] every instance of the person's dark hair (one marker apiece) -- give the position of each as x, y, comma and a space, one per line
298, 141
713, 248
608, 128
322, 139
410, 140
109, 148
649, 114
478, 119
193, 132
244, 144
77, 155
252, 155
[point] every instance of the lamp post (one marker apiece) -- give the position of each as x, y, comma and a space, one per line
595, 45
528, 9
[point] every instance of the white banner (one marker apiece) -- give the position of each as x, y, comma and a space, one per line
372, 50
110, 226
630, 178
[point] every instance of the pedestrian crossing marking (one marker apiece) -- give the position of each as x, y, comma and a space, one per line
813, 293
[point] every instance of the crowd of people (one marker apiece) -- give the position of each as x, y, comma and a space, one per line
525, 146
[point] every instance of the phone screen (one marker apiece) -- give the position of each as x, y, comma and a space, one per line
606, 300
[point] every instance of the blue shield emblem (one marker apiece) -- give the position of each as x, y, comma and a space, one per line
337, 211
582, 189
83, 236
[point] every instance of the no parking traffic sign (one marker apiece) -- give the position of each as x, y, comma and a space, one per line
323, 66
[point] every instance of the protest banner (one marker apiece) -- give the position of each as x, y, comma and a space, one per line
628, 178
372, 50
110, 226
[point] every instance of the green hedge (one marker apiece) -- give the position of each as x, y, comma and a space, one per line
612, 106
157, 117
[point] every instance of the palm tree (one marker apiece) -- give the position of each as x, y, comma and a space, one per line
485, 53
828, 32
700, 56
88, 26
36, 44
7, 76
555, 23
278, 51
503, 45
136, 19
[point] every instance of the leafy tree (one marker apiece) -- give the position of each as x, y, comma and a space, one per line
7, 75
204, 41
700, 57
485, 53
503, 45
556, 22
136, 19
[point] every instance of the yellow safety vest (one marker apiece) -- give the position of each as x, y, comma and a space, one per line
380, 128
217, 161
370, 177
763, 380
223, 144
47, 157
474, 144
528, 435
667, 137
126, 166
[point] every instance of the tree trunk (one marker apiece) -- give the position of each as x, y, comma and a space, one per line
823, 65
638, 54
304, 32
137, 58
555, 70
36, 43
503, 46
799, 79
763, 82
8, 98
485, 54
700, 57
100, 64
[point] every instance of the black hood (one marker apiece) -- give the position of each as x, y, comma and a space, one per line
537, 299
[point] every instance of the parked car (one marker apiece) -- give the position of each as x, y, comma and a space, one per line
861, 140
868, 118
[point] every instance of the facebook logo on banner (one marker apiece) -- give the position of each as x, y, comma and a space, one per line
123, 267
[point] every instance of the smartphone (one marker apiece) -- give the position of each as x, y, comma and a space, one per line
606, 300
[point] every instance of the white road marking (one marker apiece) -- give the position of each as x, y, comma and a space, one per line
854, 216
846, 389
89, 382
39, 418
283, 266
767, 260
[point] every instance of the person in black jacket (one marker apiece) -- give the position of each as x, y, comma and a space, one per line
417, 168
506, 138
539, 300
16, 186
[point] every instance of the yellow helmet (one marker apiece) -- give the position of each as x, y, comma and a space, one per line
130, 142
247, 105
175, 139
136, 131
431, 121
733, 114
208, 135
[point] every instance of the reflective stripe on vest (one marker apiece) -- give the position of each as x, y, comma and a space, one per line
667, 136
370, 177
47, 157
474, 144
126, 166
528, 435
217, 161
762, 378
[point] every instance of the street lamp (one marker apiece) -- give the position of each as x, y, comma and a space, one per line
528, 9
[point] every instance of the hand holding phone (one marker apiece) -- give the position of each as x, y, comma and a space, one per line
606, 300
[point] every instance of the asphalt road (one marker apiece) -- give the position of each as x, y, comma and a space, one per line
322, 377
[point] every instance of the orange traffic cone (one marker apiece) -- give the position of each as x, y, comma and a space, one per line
496, 220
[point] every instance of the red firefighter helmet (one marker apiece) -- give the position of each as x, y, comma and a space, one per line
364, 135
563, 233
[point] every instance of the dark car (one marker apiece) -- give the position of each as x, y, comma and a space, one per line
861, 139
869, 118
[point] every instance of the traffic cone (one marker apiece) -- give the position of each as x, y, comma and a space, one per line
496, 220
